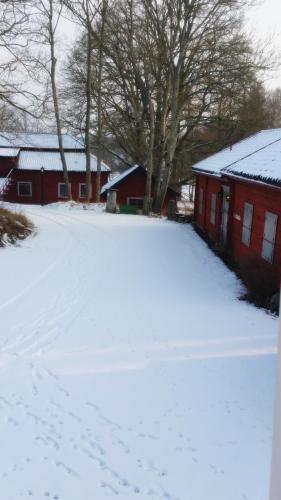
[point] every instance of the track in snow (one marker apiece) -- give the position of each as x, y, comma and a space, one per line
129, 368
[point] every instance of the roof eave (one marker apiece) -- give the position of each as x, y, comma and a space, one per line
253, 178
206, 172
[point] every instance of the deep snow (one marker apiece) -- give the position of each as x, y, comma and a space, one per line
128, 365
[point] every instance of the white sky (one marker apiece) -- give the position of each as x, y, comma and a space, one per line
262, 21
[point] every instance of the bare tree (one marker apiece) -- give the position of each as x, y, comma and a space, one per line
197, 51
50, 14
273, 105
171, 70
17, 64
91, 15
101, 34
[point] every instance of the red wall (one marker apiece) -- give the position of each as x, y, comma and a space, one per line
263, 198
6, 164
209, 185
50, 185
133, 186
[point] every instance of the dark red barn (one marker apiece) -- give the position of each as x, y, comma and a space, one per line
130, 187
31, 169
238, 200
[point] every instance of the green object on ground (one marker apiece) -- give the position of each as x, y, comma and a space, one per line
128, 209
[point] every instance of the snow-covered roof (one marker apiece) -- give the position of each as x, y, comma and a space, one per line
113, 182
38, 140
9, 152
242, 149
76, 162
263, 165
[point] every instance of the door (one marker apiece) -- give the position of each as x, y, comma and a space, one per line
224, 214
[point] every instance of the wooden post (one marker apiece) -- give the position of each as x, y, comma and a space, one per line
111, 202
275, 487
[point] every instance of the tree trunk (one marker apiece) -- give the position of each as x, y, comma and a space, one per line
147, 199
99, 101
88, 107
55, 100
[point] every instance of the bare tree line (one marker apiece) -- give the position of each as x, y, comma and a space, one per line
162, 82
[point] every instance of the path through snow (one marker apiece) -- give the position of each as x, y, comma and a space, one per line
128, 366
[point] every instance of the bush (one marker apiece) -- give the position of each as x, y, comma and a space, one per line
260, 281
13, 227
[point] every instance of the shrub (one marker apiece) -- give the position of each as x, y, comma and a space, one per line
260, 281
13, 227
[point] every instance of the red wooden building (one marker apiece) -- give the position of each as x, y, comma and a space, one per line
31, 169
130, 188
238, 200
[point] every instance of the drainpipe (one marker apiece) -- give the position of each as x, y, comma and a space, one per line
275, 487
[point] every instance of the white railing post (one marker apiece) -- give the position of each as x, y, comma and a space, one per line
275, 487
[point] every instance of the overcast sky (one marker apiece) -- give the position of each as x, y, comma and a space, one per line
264, 22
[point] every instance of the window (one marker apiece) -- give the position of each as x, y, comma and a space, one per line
24, 188
135, 202
82, 191
247, 223
269, 234
62, 191
213, 208
200, 201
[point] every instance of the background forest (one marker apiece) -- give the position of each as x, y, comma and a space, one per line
161, 83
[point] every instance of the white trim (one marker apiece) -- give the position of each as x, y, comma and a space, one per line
62, 184
265, 241
135, 198
18, 189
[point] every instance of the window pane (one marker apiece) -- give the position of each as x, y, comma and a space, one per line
248, 215
136, 202
213, 208
267, 250
24, 188
270, 226
247, 223
270, 223
246, 236
82, 190
62, 190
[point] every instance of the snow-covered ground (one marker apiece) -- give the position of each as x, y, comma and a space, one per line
128, 365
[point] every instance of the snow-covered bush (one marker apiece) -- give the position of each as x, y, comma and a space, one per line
14, 226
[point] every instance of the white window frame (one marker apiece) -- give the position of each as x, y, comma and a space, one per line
84, 184
200, 200
134, 198
247, 225
269, 242
18, 189
213, 213
62, 184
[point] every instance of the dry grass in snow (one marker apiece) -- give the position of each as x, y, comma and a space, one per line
14, 226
